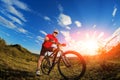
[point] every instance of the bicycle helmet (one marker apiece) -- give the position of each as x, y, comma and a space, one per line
56, 31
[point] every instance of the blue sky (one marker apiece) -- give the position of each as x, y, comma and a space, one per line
26, 22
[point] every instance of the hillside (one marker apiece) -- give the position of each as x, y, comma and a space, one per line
17, 63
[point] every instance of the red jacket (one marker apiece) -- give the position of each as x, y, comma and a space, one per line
48, 44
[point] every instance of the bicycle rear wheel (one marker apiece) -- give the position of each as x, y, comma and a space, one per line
73, 66
45, 65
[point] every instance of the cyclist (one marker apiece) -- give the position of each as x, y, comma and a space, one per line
47, 45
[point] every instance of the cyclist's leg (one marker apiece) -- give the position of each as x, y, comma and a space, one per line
51, 49
46, 63
41, 57
39, 61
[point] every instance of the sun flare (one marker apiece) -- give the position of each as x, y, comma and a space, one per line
87, 45
90, 47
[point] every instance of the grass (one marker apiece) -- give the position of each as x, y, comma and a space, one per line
17, 63
21, 69
98, 71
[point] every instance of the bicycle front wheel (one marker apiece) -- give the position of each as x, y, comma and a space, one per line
71, 65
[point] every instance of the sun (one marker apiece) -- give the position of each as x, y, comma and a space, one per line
90, 47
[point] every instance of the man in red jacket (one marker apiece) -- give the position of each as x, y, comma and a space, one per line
47, 46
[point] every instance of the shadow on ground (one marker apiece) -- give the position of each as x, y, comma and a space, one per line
10, 74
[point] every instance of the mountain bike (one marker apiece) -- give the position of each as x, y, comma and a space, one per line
71, 65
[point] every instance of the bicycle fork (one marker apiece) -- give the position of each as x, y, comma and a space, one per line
66, 61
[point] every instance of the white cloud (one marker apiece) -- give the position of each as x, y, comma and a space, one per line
10, 7
30, 37
9, 2
114, 11
38, 42
12, 15
7, 23
64, 19
78, 24
67, 27
14, 19
60, 8
117, 31
12, 10
100, 35
47, 18
67, 36
43, 32
22, 30
20, 5
70, 42
17, 3
40, 38
113, 39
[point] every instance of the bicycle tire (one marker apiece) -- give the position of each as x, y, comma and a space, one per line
45, 65
76, 62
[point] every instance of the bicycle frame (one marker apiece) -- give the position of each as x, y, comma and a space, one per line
54, 57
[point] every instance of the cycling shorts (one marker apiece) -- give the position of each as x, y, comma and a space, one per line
44, 50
